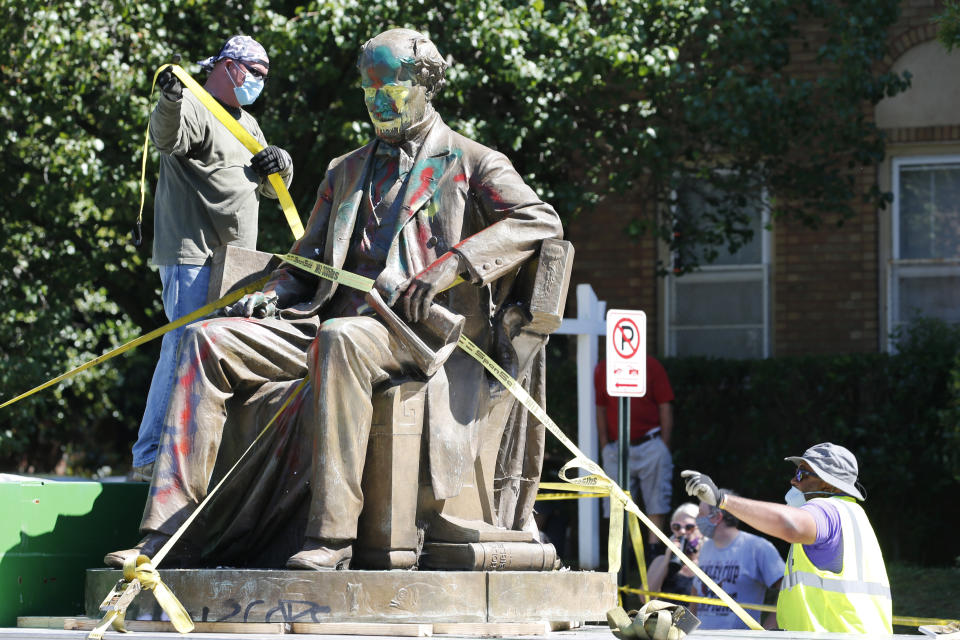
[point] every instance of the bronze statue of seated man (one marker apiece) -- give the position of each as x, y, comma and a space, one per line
414, 210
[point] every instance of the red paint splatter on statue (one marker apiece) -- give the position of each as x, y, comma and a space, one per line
425, 176
172, 462
492, 193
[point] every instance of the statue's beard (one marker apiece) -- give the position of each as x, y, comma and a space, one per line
390, 130
402, 128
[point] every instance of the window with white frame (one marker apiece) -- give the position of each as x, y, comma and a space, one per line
722, 308
924, 274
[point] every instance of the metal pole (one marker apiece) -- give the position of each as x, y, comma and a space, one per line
623, 474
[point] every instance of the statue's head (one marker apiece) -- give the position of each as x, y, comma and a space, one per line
400, 73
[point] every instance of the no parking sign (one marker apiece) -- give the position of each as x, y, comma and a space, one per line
626, 353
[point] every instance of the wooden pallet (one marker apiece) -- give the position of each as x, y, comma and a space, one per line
404, 630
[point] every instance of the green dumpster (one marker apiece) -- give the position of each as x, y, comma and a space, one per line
51, 532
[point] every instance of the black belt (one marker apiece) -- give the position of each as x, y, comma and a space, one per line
644, 438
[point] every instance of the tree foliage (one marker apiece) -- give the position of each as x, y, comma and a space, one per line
949, 22
586, 97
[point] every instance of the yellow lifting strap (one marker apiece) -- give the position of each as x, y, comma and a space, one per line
140, 572
203, 311
286, 202
596, 482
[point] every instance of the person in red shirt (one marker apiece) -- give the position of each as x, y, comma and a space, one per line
651, 424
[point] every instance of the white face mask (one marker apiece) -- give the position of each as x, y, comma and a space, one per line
795, 497
247, 92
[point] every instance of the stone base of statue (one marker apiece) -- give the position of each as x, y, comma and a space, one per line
254, 595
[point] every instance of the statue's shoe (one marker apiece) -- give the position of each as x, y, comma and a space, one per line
149, 546
322, 555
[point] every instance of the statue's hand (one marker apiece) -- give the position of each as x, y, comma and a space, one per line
427, 284
262, 304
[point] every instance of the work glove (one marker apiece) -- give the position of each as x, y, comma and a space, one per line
699, 485
170, 86
254, 305
270, 160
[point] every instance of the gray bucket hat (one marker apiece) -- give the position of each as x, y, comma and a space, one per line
834, 465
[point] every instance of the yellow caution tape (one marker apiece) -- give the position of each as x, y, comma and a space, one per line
686, 597
903, 621
907, 621
326, 271
595, 482
567, 496
637, 540
251, 143
597, 479
572, 492
339, 276
564, 486
156, 333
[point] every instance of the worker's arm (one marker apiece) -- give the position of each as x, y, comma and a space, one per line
666, 422
779, 520
602, 426
770, 621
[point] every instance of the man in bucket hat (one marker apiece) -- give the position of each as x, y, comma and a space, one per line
835, 578
208, 195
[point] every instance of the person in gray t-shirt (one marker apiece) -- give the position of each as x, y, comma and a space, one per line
743, 564
208, 195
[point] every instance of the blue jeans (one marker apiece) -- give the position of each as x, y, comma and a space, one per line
184, 291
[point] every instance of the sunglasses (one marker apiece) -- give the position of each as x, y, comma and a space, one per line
676, 526
256, 73
803, 473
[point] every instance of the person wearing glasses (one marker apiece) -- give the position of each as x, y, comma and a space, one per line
835, 578
667, 573
743, 564
208, 195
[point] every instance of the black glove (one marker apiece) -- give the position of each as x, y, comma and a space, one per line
270, 160
170, 85
699, 485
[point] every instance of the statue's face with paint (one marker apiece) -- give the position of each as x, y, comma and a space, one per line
394, 100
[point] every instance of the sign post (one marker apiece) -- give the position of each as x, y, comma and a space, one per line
626, 378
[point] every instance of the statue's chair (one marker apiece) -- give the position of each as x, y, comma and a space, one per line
489, 525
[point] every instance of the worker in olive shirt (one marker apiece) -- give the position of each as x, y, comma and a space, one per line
835, 578
208, 195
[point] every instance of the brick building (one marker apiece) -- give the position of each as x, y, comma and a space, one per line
795, 290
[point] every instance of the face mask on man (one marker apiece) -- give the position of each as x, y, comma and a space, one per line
795, 497
706, 527
250, 89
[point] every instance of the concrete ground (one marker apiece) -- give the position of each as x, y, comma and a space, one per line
590, 632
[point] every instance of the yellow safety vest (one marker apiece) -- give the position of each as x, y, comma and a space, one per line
855, 600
